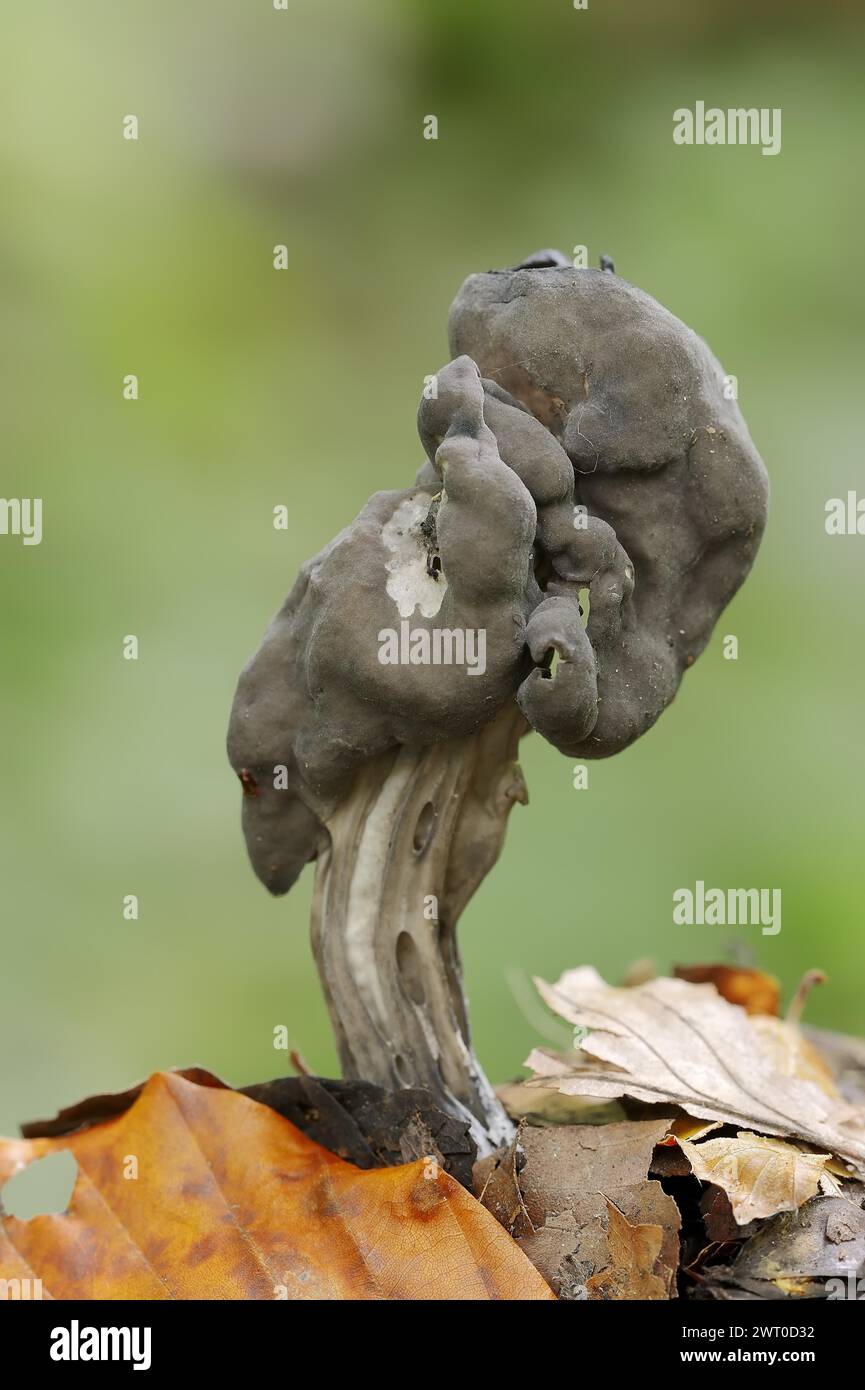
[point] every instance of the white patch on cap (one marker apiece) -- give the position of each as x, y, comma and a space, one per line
409, 583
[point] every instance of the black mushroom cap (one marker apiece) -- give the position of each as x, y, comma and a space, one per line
580, 441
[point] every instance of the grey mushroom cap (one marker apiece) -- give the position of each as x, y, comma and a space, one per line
581, 441
660, 452
316, 701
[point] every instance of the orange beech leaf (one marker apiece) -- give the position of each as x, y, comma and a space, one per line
231, 1201
753, 990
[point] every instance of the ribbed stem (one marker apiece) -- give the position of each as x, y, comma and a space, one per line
409, 845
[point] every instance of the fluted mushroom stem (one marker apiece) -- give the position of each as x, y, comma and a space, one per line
409, 845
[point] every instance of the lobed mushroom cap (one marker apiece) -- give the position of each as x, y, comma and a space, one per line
581, 441
660, 452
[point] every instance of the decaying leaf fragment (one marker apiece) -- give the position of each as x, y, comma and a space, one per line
197, 1192
760, 1176
546, 1105
552, 1191
369, 1126
497, 1187
670, 1042
634, 1252
358, 1121
817, 1252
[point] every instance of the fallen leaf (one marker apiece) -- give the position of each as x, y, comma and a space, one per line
683, 1127
723, 1283
794, 1288
103, 1106
806, 1245
554, 1250
639, 972
672, 1042
846, 1057
643, 1204
551, 1192
198, 1192
843, 1226
634, 1254
564, 1166
794, 1252
668, 1161
497, 1187
370, 1126
753, 990
718, 1220
363, 1123
760, 1176
791, 1054
545, 1105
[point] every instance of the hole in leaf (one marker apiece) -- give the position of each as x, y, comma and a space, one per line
43, 1188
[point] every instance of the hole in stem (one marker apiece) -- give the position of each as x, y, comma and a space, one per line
408, 963
423, 831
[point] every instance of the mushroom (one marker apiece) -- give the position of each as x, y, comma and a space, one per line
589, 503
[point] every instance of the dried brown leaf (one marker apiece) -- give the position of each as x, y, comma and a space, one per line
672, 1042
760, 1176
792, 1054
554, 1199
634, 1252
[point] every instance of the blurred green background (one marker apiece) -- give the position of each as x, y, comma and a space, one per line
304, 127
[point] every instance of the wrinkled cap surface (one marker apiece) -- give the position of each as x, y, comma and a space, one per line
589, 503
660, 452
